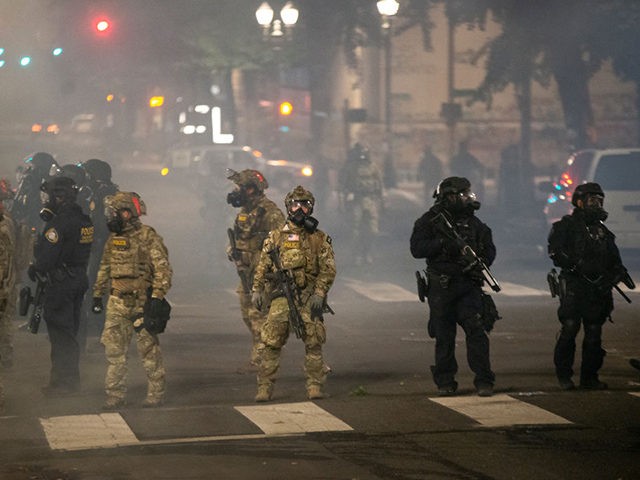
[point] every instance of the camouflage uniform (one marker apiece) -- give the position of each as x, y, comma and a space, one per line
310, 259
134, 261
362, 186
257, 217
7, 294
7, 287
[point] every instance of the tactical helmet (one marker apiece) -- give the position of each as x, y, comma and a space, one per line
41, 162
98, 170
299, 194
581, 191
126, 200
74, 172
64, 187
248, 177
453, 185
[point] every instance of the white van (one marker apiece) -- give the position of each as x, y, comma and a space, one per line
618, 173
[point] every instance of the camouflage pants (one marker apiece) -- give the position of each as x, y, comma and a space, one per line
116, 337
365, 218
253, 319
275, 334
7, 312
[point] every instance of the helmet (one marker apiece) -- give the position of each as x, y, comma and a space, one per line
98, 170
248, 177
359, 152
451, 185
126, 200
75, 172
299, 194
64, 187
41, 162
581, 191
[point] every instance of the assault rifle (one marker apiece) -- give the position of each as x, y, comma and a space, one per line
37, 300
473, 260
285, 282
237, 256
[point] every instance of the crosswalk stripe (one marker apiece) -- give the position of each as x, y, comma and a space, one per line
635, 394
381, 291
81, 432
293, 418
501, 411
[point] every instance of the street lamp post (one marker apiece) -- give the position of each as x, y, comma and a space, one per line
388, 9
275, 31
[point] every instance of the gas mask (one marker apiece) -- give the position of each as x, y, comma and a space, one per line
49, 206
299, 216
115, 222
238, 197
593, 209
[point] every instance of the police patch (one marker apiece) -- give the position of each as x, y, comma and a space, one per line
120, 243
51, 235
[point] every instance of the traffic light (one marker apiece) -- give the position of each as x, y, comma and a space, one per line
285, 109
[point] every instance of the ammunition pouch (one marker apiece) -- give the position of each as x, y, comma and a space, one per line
490, 313
157, 324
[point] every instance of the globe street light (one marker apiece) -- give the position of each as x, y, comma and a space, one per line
276, 27
387, 9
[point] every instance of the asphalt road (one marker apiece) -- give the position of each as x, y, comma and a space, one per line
382, 419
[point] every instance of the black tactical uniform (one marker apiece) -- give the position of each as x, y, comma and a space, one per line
61, 255
586, 252
454, 291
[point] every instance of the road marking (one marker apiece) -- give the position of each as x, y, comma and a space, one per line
501, 411
635, 394
514, 290
293, 418
381, 291
81, 432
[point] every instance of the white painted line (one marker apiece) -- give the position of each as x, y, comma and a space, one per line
81, 432
635, 394
293, 418
515, 290
381, 291
501, 411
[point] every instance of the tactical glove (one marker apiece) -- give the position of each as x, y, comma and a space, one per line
453, 246
257, 300
31, 272
97, 307
316, 302
155, 307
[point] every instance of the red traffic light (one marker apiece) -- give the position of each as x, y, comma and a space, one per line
102, 24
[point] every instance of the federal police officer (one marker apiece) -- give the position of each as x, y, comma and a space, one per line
61, 255
454, 286
586, 252
136, 272
258, 215
307, 255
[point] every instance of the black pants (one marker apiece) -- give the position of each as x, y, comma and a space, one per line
589, 309
460, 303
62, 311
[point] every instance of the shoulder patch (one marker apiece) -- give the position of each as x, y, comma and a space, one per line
51, 235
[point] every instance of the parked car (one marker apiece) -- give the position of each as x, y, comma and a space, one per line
618, 173
206, 166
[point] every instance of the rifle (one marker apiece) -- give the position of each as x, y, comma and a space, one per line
26, 300
237, 256
442, 223
284, 280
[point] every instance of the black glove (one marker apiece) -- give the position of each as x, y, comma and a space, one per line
31, 272
257, 300
316, 302
97, 307
155, 307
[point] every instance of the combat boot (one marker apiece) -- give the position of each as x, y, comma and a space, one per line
314, 392
152, 402
113, 403
264, 393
